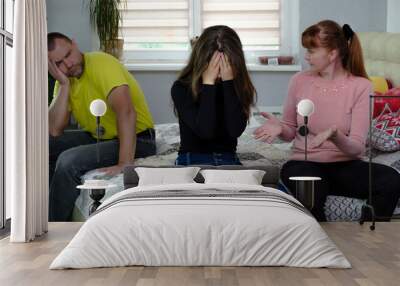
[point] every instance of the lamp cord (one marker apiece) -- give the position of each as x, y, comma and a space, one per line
98, 136
305, 137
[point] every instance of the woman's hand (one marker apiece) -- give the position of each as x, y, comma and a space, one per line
211, 73
323, 136
270, 130
225, 68
57, 74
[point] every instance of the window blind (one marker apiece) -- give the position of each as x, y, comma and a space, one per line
256, 21
155, 25
160, 30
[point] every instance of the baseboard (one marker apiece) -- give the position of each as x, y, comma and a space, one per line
5, 231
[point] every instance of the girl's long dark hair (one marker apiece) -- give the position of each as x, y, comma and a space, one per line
226, 40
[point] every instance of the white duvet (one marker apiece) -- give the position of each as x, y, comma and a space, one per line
206, 230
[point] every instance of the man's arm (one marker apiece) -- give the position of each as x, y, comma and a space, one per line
58, 111
121, 103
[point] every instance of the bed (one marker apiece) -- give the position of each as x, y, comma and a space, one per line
200, 224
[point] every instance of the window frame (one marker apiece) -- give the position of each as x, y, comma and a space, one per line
168, 58
6, 39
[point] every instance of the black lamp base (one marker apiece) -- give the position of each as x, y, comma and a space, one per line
96, 195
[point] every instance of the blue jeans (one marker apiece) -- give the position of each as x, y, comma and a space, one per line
215, 159
73, 154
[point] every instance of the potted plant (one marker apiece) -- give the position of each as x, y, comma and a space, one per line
105, 17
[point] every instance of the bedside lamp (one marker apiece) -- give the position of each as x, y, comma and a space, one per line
98, 108
96, 188
305, 108
305, 184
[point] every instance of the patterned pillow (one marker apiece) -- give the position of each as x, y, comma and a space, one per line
339, 208
381, 102
386, 131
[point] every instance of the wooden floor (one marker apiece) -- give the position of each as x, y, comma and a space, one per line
375, 257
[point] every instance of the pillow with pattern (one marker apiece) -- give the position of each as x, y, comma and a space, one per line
386, 131
392, 102
338, 208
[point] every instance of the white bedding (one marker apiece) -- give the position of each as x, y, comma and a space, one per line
201, 230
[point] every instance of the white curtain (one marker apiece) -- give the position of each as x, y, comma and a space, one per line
26, 124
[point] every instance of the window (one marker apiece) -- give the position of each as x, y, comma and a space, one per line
6, 43
161, 29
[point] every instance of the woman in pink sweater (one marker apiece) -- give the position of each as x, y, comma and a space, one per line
339, 87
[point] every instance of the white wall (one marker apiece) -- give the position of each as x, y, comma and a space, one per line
70, 17
362, 15
393, 19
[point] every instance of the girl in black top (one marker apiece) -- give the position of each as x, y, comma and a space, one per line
212, 98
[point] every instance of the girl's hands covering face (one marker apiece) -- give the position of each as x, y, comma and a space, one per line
225, 68
213, 69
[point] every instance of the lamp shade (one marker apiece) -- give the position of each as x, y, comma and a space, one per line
98, 107
305, 107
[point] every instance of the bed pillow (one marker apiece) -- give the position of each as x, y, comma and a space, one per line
166, 176
248, 177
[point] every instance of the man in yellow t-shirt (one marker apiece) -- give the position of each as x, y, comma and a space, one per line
127, 126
